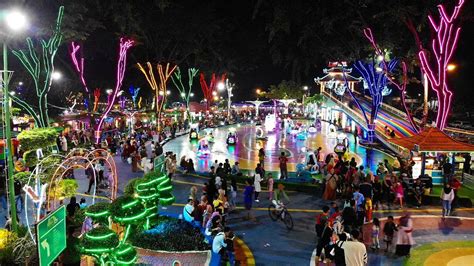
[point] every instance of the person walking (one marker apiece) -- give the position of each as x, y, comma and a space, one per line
248, 192
257, 186
447, 197
375, 233
283, 166
405, 236
331, 185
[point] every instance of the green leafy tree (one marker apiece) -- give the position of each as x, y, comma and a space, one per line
99, 213
285, 90
125, 254
146, 189
165, 190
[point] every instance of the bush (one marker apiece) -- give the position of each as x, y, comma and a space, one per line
65, 189
99, 212
37, 138
170, 234
130, 186
98, 238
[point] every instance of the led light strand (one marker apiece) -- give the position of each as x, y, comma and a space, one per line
42, 77
100, 237
78, 64
125, 45
400, 86
443, 46
208, 90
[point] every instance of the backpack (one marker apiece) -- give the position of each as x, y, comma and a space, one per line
339, 256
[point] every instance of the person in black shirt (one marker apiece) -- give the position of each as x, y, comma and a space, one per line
72, 207
227, 167
366, 188
419, 190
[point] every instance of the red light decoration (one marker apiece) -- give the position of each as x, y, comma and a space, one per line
207, 90
443, 45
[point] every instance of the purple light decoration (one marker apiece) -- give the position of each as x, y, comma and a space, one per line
79, 65
400, 86
122, 102
443, 46
125, 44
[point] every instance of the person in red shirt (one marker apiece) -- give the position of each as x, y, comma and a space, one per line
283, 167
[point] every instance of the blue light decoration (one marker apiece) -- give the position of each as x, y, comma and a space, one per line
134, 92
375, 81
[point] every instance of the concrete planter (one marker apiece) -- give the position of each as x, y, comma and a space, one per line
154, 257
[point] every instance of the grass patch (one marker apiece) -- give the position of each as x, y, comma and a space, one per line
464, 192
420, 254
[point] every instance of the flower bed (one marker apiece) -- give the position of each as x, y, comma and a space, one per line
170, 234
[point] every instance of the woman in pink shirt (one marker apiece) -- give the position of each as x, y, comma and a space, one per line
398, 189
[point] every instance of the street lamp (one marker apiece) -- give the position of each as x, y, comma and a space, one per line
220, 86
56, 75
15, 21
451, 67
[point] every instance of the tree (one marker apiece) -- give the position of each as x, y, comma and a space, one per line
285, 90
400, 86
184, 93
208, 90
443, 47
40, 69
124, 46
159, 88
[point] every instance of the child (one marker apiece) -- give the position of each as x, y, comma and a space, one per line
375, 233
389, 230
270, 182
368, 209
82, 203
398, 189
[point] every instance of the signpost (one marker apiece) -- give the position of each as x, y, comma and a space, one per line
51, 236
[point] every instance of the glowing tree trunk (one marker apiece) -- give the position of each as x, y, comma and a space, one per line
209, 89
134, 92
400, 86
125, 44
376, 80
96, 99
158, 88
40, 69
442, 46
184, 93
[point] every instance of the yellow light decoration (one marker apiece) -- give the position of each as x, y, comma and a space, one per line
164, 73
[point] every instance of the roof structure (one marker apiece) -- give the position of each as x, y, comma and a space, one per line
432, 139
335, 73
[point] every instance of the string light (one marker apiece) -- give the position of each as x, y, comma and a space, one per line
443, 47
209, 89
40, 69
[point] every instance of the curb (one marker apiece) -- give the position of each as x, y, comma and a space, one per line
243, 253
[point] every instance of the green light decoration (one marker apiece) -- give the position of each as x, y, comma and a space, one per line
127, 211
99, 213
40, 69
125, 254
184, 93
100, 243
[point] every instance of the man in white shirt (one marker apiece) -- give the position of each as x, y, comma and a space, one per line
355, 253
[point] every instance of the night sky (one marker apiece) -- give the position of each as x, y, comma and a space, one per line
257, 43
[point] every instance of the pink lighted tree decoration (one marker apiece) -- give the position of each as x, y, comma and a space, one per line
125, 44
443, 45
402, 86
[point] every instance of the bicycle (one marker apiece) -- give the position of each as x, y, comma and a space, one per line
282, 214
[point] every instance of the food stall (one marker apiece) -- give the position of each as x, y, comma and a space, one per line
429, 148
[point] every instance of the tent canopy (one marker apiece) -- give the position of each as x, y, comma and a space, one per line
432, 139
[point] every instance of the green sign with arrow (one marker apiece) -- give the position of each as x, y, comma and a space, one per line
51, 236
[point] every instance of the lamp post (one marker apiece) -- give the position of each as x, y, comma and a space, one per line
16, 21
229, 86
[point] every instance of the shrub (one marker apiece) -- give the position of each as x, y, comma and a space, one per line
97, 240
130, 186
99, 212
65, 189
37, 138
170, 234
